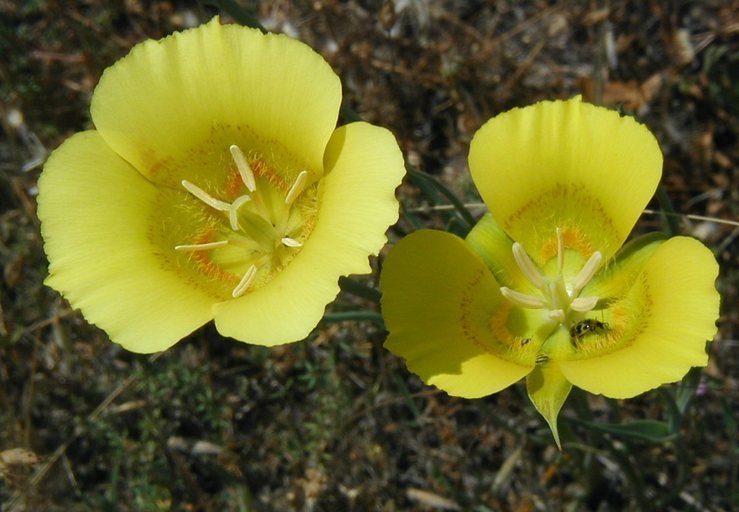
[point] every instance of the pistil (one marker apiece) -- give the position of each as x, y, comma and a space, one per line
258, 229
554, 295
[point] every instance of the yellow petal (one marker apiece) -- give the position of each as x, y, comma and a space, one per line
665, 320
438, 301
95, 213
619, 275
173, 106
548, 389
364, 166
569, 165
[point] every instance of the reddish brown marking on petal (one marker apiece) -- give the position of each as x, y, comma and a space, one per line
643, 317
259, 167
159, 168
617, 325
464, 315
624, 326
517, 347
496, 339
499, 328
539, 204
205, 264
563, 206
264, 171
154, 166
234, 185
572, 238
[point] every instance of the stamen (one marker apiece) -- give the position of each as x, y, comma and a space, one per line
233, 211
522, 299
527, 266
560, 302
201, 247
560, 251
587, 272
205, 197
297, 187
245, 282
290, 242
584, 304
247, 175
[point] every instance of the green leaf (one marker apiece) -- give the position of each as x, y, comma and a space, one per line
238, 13
354, 316
412, 219
421, 178
645, 430
354, 287
670, 217
686, 389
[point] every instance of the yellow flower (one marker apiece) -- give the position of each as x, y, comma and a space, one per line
538, 289
215, 186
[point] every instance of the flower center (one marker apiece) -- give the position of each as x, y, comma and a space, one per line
559, 298
265, 223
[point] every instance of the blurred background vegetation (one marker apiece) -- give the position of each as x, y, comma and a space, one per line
336, 423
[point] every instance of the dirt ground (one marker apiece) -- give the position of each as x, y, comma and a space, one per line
336, 422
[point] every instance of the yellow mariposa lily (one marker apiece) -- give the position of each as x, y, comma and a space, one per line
542, 288
215, 185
